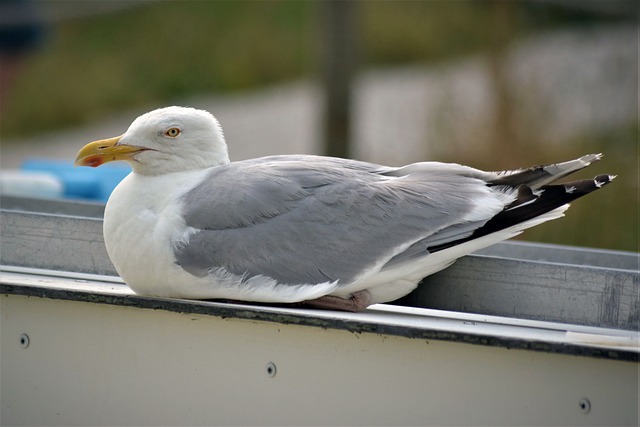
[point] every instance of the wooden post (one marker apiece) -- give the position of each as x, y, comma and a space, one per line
505, 146
337, 64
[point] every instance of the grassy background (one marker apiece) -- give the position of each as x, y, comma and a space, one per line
156, 53
609, 218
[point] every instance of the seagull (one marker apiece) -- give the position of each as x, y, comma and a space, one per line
316, 231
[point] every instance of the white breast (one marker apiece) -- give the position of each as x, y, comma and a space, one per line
141, 222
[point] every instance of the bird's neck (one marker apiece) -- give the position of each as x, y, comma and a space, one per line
153, 192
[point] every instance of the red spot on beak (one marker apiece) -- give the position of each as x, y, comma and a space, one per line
93, 161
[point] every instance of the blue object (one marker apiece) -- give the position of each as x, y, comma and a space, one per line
82, 182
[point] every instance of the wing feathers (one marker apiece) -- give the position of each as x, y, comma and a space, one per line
530, 204
538, 176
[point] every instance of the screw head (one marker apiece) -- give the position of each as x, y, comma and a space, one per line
24, 340
585, 405
270, 369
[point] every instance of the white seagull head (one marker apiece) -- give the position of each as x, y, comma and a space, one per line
166, 140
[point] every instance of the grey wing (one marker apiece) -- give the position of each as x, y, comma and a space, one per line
314, 220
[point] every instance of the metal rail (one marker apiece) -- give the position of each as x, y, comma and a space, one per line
382, 319
513, 279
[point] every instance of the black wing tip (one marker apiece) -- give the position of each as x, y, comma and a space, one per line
531, 203
602, 180
586, 186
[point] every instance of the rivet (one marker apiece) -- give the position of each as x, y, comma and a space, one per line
270, 369
24, 340
585, 405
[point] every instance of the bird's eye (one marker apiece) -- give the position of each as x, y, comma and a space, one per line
172, 132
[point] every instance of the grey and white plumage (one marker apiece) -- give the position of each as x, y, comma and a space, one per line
188, 223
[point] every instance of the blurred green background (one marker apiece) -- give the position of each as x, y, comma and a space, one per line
101, 57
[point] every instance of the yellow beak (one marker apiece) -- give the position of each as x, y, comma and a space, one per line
105, 150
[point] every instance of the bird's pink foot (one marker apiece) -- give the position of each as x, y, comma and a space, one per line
357, 302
